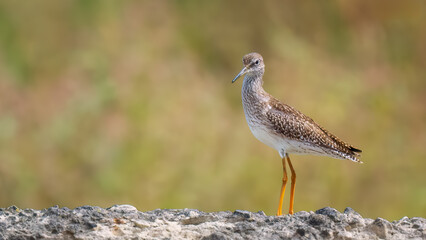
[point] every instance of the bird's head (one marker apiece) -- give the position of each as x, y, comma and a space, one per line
253, 63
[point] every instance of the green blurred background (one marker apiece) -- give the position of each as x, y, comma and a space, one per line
113, 102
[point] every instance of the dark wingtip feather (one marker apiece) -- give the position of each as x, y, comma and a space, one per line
355, 149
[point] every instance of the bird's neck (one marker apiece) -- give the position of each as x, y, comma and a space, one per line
252, 87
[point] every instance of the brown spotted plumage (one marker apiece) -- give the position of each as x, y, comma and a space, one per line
294, 125
284, 128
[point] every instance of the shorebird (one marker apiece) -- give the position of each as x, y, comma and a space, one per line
284, 128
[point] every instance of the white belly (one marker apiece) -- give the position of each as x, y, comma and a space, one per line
283, 145
266, 137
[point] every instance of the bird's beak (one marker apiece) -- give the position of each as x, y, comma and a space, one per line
240, 74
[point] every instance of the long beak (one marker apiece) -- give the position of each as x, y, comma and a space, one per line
240, 74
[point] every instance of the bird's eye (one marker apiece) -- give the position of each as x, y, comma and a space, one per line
257, 62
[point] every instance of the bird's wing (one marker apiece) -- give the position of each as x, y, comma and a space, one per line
297, 126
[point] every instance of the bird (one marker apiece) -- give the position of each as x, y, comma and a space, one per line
284, 128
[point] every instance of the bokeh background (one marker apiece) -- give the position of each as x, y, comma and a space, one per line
131, 102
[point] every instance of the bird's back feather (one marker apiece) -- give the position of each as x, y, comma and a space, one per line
294, 125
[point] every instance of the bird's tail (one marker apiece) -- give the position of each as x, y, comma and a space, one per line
354, 154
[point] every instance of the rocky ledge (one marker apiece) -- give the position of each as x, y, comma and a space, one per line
126, 222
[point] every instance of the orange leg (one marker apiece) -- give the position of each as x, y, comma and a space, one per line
293, 183
280, 205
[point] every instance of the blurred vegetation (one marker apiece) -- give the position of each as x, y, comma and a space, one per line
113, 102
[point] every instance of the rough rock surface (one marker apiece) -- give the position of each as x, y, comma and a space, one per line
126, 222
